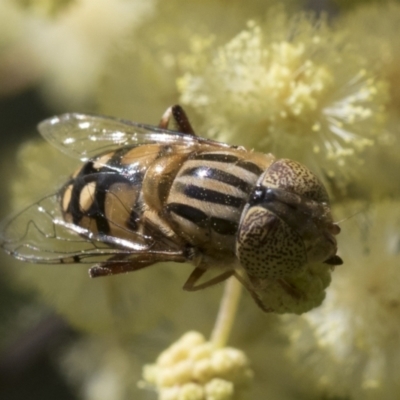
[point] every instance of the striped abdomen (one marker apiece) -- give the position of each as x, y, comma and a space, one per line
105, 195
209, 192
160, 191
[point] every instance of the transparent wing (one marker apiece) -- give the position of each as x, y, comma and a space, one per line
84, 136
39, 234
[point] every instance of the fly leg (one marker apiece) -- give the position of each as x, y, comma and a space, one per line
252, 292
198, 272
178, 117
122, 263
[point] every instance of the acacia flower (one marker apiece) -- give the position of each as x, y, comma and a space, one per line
194, 369
70, 47
292, 86
309, 285
379, 45
374, 28
349, 345
140, 73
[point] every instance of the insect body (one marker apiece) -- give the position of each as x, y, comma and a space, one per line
147, 194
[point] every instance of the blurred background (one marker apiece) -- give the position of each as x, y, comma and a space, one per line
316, 81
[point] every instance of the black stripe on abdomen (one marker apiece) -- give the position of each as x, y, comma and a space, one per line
223, 226
190, 213
202, 220
231, 159
249, 166
209, 195
220, 157
220, 176
103, 182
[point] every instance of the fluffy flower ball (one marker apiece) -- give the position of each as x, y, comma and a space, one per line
350, 344
194, 369
292, 86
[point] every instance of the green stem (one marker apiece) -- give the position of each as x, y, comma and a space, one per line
226, 313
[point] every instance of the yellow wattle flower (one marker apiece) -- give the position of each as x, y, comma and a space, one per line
291, 86
349, 345
195, 369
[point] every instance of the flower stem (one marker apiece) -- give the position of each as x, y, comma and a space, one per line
226, 313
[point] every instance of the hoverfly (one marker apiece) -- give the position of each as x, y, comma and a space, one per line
147, 194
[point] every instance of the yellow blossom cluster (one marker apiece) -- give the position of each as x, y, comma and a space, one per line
139, 77
308, 285
374, 28
193, 369
322, 91
292, 86
66, 43
349, 344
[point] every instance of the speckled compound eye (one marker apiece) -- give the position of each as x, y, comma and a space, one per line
296, 178
267, 247
286, 223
